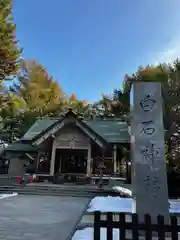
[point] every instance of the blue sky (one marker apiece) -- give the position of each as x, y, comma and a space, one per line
88, 45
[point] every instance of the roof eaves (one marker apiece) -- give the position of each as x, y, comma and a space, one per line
20, 147
46, 130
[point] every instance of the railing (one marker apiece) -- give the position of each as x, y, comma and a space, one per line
161, 229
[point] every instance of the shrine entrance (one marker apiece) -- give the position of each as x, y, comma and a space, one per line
71, 161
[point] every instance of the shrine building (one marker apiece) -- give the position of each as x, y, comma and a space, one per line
71, 145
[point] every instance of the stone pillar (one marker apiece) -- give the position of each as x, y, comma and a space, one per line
149, 180
88, 171
115, 158
53, 155
37, 161
60, 164
16, 167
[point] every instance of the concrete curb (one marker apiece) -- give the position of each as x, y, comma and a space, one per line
78, 221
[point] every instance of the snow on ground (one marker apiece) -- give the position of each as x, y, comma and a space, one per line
7, 195
122, 190
118, 204
110, 204
113, 204
87, 234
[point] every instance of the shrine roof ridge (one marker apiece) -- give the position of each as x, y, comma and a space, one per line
96, 118
111, 130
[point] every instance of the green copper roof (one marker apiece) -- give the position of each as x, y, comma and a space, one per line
20, 147
38, 127
114, 131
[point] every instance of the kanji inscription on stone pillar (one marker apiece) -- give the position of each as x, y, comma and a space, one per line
149, 180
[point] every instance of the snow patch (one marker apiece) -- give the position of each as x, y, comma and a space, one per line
87, 234
125, 191
118, 204
7, 195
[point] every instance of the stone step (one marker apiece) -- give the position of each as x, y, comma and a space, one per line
78, 188
51, 188
61, 189
45, 189
58, 195
62, 193
57, 192
74, 189
48, 191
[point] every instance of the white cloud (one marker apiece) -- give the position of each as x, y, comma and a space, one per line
170, 52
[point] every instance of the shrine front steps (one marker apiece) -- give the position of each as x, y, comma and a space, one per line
57, 191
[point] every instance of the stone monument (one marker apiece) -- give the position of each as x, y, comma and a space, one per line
149, 180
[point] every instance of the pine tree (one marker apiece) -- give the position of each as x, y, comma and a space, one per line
9, 52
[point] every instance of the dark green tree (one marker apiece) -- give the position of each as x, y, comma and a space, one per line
9, 51
169, 76
116, 104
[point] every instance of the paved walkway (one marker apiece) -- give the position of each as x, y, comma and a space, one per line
39, 217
